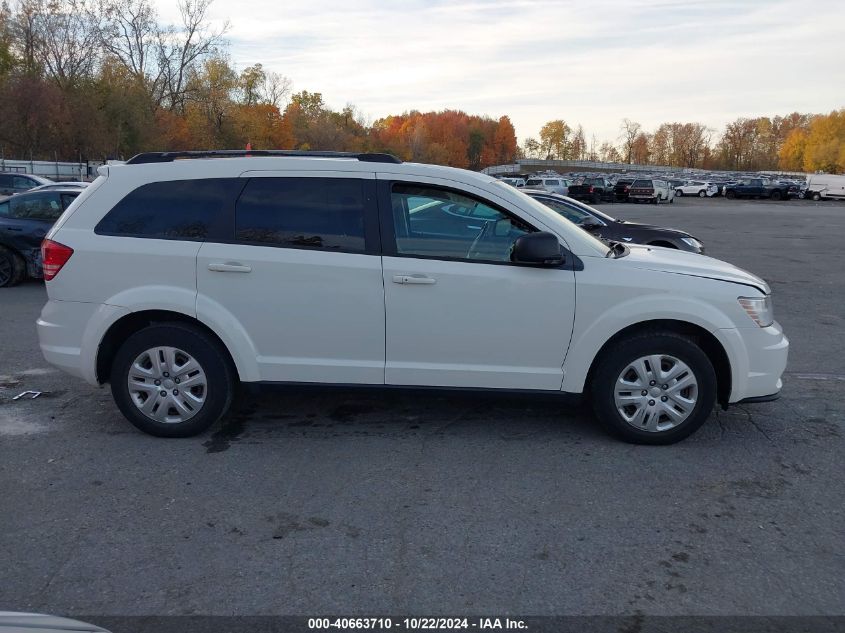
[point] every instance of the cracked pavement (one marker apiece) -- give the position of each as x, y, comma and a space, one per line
368, 504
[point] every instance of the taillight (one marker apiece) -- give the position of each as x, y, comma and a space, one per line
591, 189
53, 257
626, 189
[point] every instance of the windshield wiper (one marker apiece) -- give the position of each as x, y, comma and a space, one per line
617, 249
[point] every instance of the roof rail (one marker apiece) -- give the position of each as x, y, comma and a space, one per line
168, 157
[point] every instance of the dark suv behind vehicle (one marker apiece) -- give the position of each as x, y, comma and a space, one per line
24, 221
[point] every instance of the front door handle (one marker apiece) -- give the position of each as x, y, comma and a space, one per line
413, 279
229, 267
13, 228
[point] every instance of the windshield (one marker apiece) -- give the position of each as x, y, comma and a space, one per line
555, 220
591, 210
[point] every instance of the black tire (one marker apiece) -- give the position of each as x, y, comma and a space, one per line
12, 267
702, 194
656, 199
596, 198
679, 193
816, 196
730, 195
220, 377
614, 361
776, 195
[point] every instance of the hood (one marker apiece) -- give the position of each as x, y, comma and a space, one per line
670, 260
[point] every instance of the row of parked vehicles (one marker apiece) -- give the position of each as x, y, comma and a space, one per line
595, 188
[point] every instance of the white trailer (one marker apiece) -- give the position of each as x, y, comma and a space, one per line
820, 186
55, 170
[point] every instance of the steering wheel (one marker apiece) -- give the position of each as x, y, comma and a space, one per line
487, 237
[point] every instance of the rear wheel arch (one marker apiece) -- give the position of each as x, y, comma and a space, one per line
17, 266
709, 344
133, 322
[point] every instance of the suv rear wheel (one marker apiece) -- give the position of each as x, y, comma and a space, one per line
12, 267
172, 380
655, 388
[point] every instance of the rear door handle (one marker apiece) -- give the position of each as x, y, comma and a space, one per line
229, 267
12, 228
413, 279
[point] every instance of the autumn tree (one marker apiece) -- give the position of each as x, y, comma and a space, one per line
630, 130
554, 139
825, 144
639, 149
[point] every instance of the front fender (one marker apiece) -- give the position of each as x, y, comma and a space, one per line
598, 321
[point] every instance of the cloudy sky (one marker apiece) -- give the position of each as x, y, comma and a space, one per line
586, 61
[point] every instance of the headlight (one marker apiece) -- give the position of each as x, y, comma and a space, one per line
759, 309
692, 242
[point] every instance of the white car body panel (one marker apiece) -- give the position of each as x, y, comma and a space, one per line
309, 315
489, 312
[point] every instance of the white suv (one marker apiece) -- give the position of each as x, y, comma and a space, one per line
553, 184
175, 276
697, 188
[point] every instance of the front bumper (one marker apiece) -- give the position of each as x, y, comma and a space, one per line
758, 359
770, 398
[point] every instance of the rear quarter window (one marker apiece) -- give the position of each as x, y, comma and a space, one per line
173, 209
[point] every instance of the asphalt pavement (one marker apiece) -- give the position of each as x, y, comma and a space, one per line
365, 504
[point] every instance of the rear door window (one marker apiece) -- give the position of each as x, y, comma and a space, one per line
173, 209
41, 206
320, 213
23, 183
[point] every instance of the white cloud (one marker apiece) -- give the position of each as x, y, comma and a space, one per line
589, 62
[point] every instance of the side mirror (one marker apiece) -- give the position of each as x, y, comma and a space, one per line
589, 224
537, 248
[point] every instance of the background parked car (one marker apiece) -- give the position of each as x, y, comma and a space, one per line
757, 188
651, 190
820, 186
593, 190
606, 227
24, 221
553, 184
12, 182
621, 189
697, 188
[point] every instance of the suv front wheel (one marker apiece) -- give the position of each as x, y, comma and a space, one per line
655, 388
172, 380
